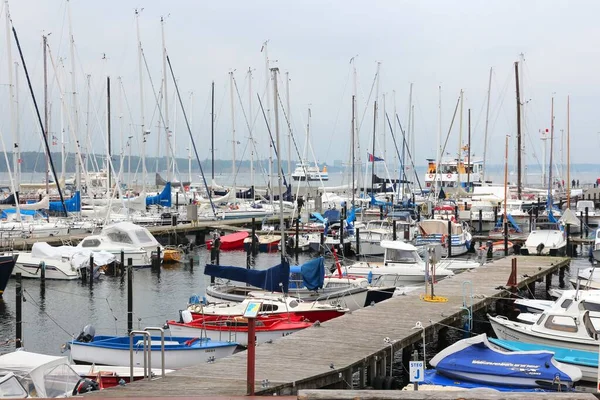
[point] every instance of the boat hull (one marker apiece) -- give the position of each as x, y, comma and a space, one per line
229, 335
7, 264
29, 267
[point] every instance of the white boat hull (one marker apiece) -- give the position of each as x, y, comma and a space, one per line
240, 338
174, 359
29, 267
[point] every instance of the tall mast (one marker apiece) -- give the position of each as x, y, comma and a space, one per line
108, 141
550, 186
519, 186
374, 127
87, 123
524, 121
74, 94
278, 148
410, 122
121, 131
16, 148
384, 129
438, 175
289, 124
268, 79
141, 71
62, 126
469, 152
212, 131
460, 132
190, 144
568, 152
46, 113
11, 102
166, 96
353, 150
233, 174
487, 120
251, 135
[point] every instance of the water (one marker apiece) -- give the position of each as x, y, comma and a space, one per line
52, 316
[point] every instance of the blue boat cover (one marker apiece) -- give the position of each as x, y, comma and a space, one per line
313, 273
332, 215
433, 378
318, 217
478, 358
274, 279
73, 204
162, 199
4, 213
562, 354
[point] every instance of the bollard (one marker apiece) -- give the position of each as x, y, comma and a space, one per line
91, 273
129, 295
192, 263
19, 311
449, 238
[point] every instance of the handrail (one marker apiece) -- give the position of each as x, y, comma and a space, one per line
147, 338
162, 346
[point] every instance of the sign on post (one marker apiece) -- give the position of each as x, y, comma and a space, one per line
252, 309
417, 371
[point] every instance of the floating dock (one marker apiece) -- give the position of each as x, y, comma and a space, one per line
328, 355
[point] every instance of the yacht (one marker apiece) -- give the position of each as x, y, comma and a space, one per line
546, 242
435, 231
135, 241
305, 172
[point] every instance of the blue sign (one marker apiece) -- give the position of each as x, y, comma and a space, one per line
417, 371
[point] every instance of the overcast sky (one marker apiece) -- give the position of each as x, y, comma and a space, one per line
444, 43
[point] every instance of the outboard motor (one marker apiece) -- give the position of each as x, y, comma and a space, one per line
540, 248
87, 335
85, 385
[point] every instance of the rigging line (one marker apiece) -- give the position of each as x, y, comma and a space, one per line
45, 312
272, 141
191, 137
45, 139
367, 102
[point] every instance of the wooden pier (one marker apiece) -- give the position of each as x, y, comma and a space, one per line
328, 355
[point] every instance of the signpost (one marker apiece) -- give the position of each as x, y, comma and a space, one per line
417, 372
251, 313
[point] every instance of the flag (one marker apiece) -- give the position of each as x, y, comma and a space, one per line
372, 158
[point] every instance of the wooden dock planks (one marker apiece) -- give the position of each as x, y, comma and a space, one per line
322, 355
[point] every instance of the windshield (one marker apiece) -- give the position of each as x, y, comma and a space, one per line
10, 388
143, 236
119, 237
401, 256
60, 381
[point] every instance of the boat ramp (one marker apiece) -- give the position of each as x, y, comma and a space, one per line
335, 353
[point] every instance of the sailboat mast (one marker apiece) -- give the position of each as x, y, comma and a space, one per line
460, 132
523, 102
108, 141
568, 151
62, 127
505, 183
519, 169
17, 148
352, 151
550, 186
289, 124
251, 136
469, 163
46, 113
404, 148
141, 73
232, 131
374, 128
166, 96
487, 120
212, 131
74, 94
268, 80
190, 143
438, 182
11, 92
277, 149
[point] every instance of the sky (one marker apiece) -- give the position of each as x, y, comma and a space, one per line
430, 44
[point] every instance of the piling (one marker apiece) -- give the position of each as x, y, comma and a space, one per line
357, 243
91, 272
42, 268
122, 266
83, 272
505, 238
19, 310
456, 212
191, 263
253, 244
581, 224
480, 222
449, 239
394, 234
215, 255
549, 281
568, 236
587, 221
129, 295
321, 243
495, 214
561, 277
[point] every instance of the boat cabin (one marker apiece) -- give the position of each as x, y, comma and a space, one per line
123, 233
397, 252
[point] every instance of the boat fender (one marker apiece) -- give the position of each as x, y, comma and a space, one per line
191, 341
186, 316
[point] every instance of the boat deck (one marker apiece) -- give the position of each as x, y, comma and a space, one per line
329, 354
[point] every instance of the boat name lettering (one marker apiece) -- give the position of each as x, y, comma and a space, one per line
505, 364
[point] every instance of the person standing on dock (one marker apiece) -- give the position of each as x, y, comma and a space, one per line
573, 183
578, 183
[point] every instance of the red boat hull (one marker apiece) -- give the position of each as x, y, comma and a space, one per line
233, 241
309, 316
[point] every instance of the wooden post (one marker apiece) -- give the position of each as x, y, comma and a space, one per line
581, 224
83, 272
456, 212
449, 239
253, 243
394, 233
480, 222
91, 274
250, 371
322, 243
357, 243
568, 234
129, 295
380, 212
19, 310
587, 221
505, 223
296, 248
191, 263
122, 263
549, 279
42, 268
561, 277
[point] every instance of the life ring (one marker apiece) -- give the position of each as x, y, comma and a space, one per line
425, 209
444, 239
430, 176
449, 176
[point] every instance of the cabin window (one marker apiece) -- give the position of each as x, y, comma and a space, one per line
565, 304
593, 307
540, 319
119, 237
268, 307
401, 256
90, 243
561, 323
143, 236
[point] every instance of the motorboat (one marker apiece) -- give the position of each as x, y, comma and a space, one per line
545, 242
476, 360
401, 262
305, 172
273, 305
7, 264
179, 352
172, 254
435, 231
24, 374
62, 262
135, 241
586, 361
574, 326
264, 243
235, 328
232, 241
31, 225
593, 215
370, 237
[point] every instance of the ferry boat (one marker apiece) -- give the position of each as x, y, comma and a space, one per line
305, 172
454, 173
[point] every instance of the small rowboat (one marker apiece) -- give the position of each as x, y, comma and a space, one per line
233, 241
264, 244
235, 329
497, 248
172, 255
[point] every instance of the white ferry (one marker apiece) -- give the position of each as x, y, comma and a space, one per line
452, 172
305, 172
